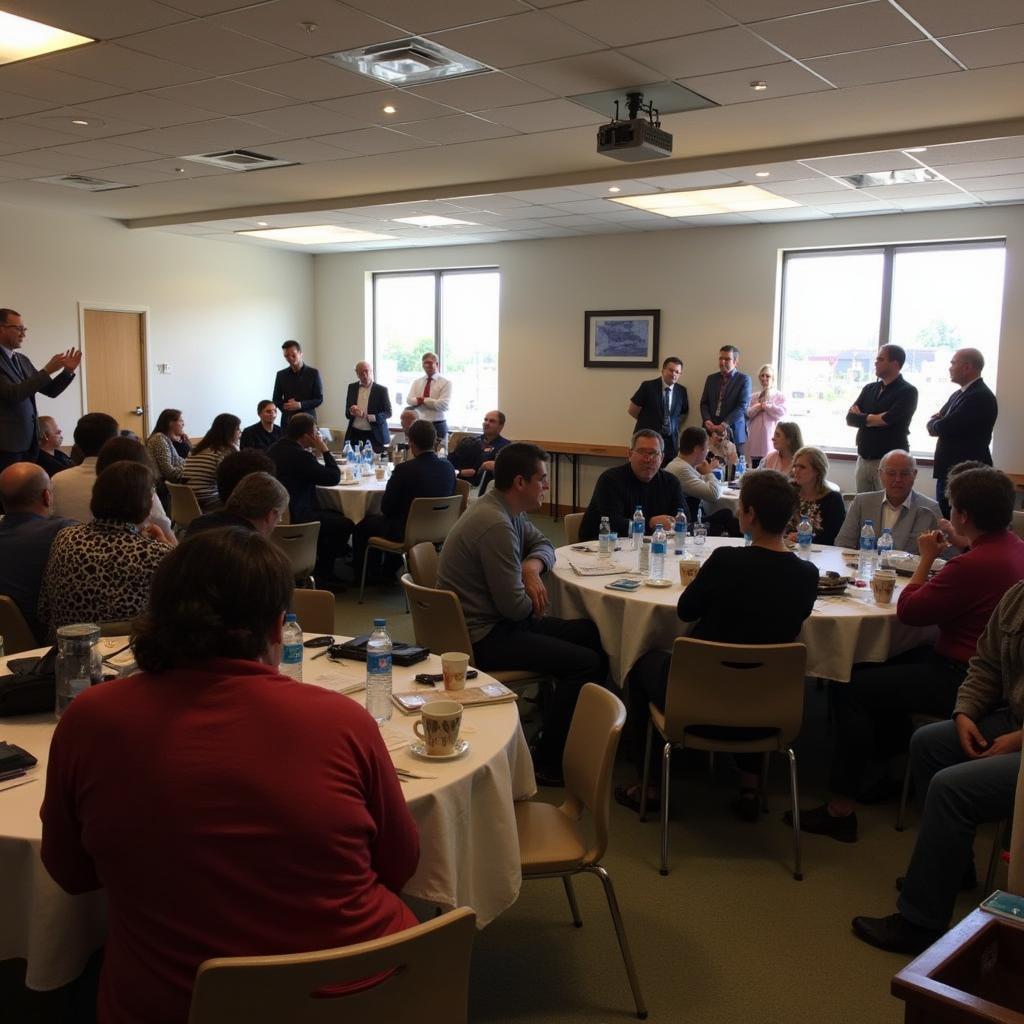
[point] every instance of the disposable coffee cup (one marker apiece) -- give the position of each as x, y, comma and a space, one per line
346, 475
688, 569
378, 472
453, 667
439, 726
883, 584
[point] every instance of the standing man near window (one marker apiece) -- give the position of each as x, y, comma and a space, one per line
726, 397
20, 381
368, 408
661, 404
297, 388
430, 395
882, 415
964, 424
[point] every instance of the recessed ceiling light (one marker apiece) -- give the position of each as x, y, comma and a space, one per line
903, 176
21, 38
762, 174
614, 188
430, 221
316, 234
704, 201
917, 149
79, 122
759, 86
261, 223
389, 109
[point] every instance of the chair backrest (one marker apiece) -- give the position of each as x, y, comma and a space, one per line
337, 439
430, 519
463, 489
298, 542
735, 685
315, 610
14, 629
387, 979
437, 619
184, 506
573, 521
456, 437
1018, 524
423, 562
589, 759
117, 627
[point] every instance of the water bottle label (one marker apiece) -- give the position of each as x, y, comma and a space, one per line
78, 685
291, 654
378, 663
658, 548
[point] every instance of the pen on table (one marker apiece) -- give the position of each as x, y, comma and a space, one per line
14, 774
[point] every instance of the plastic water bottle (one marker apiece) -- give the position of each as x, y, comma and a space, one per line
367, 460
741, 468
747, 540
866, 559
442, 451
637, 529
604, 543
291, 648
700, 528
346, 452
659, 547
804, 536
885, 546
378, 672
679, 529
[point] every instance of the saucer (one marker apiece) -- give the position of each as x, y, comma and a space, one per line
657, 583
348, 483
420, 750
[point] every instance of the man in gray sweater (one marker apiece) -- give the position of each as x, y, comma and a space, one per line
493, 559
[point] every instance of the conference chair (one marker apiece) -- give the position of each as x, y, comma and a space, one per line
463, 488
184, 506
336, 442
314, 609
736, 686
573, 521
552, 843
429, 520
14, 629
423, 564
298, 542
456, 437
409, 977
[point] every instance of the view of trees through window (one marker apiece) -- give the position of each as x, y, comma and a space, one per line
840, 305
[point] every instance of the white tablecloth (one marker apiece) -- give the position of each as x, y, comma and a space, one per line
839, 632
469, 848
356, 500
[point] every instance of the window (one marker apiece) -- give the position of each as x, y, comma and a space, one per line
840, 305
451, 312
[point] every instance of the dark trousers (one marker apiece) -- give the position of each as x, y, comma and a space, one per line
441, 427
875, 707
671, 442
332, 542
355, 437
10, 458
940, 497
568, 649
375, 526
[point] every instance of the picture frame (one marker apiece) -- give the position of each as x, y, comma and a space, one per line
621, 338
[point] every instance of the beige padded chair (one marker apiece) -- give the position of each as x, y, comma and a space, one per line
735, 685
337, 441
298, 542
184, 506
551, 842
429, 520
456, 438
315, 610
14, 629
421, 974
1018, 524
423, 562
573, 521
463, 488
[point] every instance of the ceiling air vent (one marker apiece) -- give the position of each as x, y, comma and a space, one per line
408, 61
82, 182
239, 160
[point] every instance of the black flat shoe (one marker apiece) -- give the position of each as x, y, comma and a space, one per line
629, 796
894, 933
818, 821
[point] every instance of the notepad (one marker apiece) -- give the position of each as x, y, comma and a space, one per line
604, 569
412, 702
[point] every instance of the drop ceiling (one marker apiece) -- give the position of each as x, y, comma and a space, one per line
851, 86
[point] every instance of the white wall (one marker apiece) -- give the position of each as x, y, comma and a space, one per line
218, 312
713, 285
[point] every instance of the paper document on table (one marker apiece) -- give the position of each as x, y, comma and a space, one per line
393, 738
603, 569
490, 693
31, 775
330, 677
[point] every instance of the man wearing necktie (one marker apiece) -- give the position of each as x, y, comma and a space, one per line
430, 396
20, 381
661, 404
726, 397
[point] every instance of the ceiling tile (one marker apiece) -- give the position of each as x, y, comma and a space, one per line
55, 160
863, 163
540, 196
849, 198
61, 119
589, 72
373, 140
154, 171
693, 179
98, 19
795, 213
788, 79
707, 53
502, 202
417, 16
521, 39
12, 105
858, 27
987, 149
147, 111
1001, 181
948, 17
303, 151
12, 169
949, 202
885, 64
1007, 195
369, 107
307, 80
200, 44
914, 190
855, 209
642, 21
200, 8
778, 173
105, 152
224, 96
587, 207
981, 169
804, 186
546, 116
481, 92
305, 119
26, 78
221, 133
985, 49
626, 188
27, 136
114, 65
716, 220
457, 128
761, 10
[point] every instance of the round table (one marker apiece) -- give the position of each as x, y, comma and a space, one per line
839, 632
356, 500
469, 850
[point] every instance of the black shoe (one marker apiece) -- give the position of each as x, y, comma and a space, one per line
626, 798
967, 884
747, 806
818, 821
894, 933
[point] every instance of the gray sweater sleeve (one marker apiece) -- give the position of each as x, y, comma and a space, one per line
503, 571
536, 545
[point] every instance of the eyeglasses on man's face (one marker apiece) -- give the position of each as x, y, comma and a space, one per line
647, 453
14, 327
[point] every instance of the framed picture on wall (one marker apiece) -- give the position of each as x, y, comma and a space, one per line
621, 337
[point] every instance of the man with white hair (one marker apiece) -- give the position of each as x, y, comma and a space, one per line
368, 409
431, 395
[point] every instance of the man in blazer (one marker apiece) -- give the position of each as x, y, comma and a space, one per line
20, 381
368, 408
898, 507
661, 404
964, 424
726, 397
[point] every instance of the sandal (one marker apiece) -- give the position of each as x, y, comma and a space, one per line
629, 796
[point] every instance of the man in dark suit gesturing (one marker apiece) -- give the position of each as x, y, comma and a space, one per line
964, 424
20, 381
368, 408
661, 404
726, 397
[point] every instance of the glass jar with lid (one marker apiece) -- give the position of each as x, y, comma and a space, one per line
79, 662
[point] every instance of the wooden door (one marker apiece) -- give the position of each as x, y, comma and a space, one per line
113, 347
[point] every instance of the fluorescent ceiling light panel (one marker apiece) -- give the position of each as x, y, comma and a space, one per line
431, 220
877, 179
316, 234
704, 201
21, 38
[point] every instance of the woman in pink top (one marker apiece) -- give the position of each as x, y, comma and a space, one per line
766, 408
788, 440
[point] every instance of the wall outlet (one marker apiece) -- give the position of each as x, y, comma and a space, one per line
163, 367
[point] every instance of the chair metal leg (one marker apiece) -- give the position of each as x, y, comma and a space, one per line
666, 760
647, 769
997, 849
794, 796
901, 814
362, 582
570, 895
764, 782
620, 934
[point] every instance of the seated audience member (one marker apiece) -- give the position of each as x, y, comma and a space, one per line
400, 438
257, 503
787, 441
965, 771
295, 458
729, 613
423, 475
72, 489
230, 474
230, 775
101, 570
201, 465
26, 534
722, 450
640, 481
169, 445
693, 471
264, 432
493, 560
879, 699
50, 457
474, 458
823, 506
906, 512
131, 449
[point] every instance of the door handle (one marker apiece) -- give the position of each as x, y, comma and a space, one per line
137, 410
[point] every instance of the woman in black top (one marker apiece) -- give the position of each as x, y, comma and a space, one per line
822, 506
